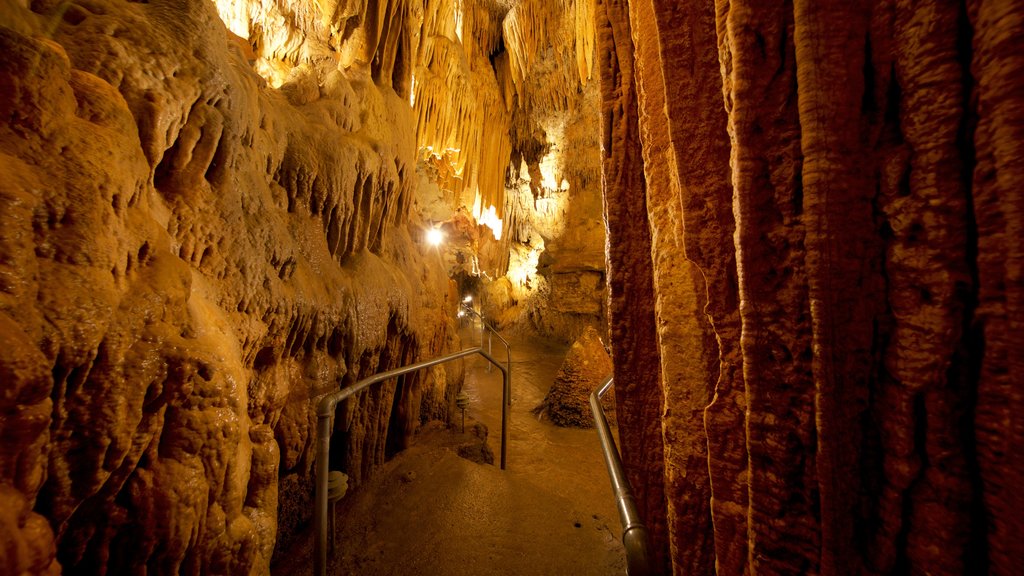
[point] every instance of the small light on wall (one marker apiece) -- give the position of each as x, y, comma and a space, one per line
461, 313
468, 298
435, 236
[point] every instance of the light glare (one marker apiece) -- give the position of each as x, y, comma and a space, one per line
435, 236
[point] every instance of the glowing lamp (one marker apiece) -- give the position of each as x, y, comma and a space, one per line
467, 299
435, 236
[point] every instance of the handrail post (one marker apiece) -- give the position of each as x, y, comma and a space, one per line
506, 401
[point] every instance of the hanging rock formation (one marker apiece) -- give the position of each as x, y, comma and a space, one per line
507, 136
830, 190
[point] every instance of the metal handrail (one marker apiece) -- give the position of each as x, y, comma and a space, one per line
325, 412
484, 325
634, 532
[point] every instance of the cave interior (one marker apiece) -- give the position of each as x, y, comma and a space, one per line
797, 226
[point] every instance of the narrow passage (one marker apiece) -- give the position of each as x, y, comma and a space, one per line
429, 511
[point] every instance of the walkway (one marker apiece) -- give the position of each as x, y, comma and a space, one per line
430, 512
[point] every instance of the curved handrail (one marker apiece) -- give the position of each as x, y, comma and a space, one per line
325, 411
634, 532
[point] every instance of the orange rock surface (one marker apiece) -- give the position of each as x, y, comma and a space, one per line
834, 262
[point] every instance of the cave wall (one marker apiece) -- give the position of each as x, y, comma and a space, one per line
200, 234
834, 258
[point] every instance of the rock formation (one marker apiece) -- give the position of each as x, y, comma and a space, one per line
191, 255
829, 189
212, 213
508, 137
584, 369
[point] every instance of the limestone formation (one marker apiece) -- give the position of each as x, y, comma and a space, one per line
807, 255
212, 216
585, 367
191, 255
833, 261
638, 393
508, 137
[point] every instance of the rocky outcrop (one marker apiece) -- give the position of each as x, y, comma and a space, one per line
835, 380
191, 255
585, 367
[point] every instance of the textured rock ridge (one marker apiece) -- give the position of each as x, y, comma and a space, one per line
851, 348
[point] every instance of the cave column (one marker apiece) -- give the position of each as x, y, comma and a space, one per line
638, 393
688, 354
829, 40
997, 67
759, 86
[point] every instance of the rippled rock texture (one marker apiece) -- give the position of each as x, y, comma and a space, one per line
832, 369
189, 257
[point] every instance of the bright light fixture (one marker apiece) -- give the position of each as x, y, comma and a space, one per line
435, 236
468, 298
462, 313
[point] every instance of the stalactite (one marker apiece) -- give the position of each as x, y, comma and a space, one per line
537, 33
462, 113
584, 37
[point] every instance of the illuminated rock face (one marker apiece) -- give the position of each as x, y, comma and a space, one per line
508, 139
189, 258
835, 273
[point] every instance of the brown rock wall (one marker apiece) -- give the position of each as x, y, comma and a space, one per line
680, 297
838, 258
871, 149
698, 122
774, 310
998, 102
638, 395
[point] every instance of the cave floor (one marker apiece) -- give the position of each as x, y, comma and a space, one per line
429, 511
